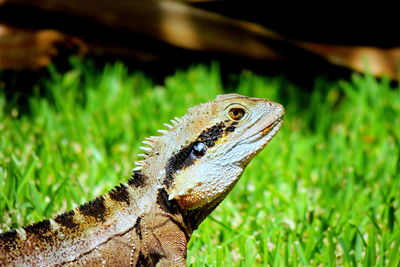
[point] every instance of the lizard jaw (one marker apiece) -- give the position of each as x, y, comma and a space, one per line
267, 129
265, 133
273, 128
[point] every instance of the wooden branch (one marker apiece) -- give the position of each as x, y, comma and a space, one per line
157, 29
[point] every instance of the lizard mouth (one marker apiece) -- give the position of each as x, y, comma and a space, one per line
265, 133
272, 128
260, 139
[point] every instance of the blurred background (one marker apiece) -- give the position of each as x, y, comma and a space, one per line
160, 35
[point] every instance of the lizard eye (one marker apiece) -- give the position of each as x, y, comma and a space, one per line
236, 113
199, 149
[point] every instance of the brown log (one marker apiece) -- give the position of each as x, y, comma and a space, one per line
151, 29
32, 49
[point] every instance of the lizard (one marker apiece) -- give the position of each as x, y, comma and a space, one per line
184, 174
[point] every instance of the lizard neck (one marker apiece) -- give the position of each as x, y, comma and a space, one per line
129, 216
157, 167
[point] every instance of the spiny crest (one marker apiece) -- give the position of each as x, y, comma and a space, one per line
150, 142
168, 135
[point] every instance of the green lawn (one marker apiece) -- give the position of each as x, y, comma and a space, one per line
325, 191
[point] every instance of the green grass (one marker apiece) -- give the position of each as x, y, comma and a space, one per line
325, 191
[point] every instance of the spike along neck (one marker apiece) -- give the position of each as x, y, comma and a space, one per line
157, 150
185, 141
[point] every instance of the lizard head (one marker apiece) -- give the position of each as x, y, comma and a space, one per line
206, 151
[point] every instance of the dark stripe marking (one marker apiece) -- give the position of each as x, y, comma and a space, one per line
183, 159
40, 231
155, 257
152, 260
94, 208
211, 135
178, 161
38, 228
8, 241
66, 219
230, 129
169, 206
138, 179
138, 227
142, 261
120, 193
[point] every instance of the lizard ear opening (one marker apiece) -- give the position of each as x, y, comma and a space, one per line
198, 150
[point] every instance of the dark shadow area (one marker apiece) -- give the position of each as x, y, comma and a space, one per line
301, 70
19, 86
326, 23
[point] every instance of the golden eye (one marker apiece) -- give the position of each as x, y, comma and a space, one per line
236, 113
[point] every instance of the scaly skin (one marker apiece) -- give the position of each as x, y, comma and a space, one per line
185, 173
